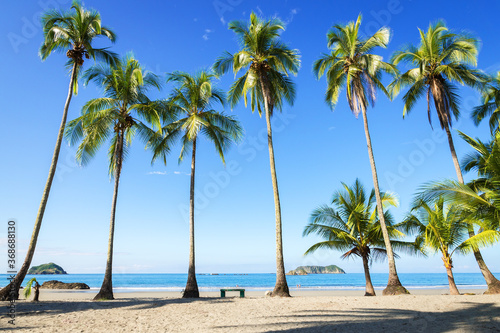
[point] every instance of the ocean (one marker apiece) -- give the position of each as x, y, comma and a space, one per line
208, 282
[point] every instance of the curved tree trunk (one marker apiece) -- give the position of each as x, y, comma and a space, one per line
191, 290
492, 282
451, 282
394, 286
5, 293
369, 286
106, 292
451, 279
281, 287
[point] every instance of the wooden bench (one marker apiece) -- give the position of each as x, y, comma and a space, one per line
223, 292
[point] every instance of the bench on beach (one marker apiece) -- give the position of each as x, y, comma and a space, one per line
223, 292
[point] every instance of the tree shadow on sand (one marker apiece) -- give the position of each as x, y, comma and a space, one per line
476, 317
33, 309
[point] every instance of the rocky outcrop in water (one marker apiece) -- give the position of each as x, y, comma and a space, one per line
304, 270
53, 284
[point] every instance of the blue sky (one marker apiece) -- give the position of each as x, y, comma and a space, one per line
315, 148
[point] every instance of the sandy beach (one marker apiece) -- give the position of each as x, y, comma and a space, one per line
426, 310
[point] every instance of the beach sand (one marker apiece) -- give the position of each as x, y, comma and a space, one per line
426, 310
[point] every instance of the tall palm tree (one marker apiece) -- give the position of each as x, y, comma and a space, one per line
353, 226
490, 105
194, 98
444, 228
480, 197
267, 63
442, 60
123, 113
350, 65
74, 31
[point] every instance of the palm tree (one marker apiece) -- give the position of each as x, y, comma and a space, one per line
444, 228
351, 65
74, 31
122, 114
267, 62
490, 105
479, 198
353, 226
442, 59
194, 98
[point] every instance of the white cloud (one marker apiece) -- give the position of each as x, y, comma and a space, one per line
157, 173
292, 14
163, 173
207, 31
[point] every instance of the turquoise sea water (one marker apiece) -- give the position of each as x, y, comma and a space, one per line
177, 282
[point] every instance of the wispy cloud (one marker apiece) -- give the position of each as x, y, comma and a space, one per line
60, 251
157, 173
207, 31
163, 173
291, 15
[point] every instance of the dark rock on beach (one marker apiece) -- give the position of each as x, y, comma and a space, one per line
53, 284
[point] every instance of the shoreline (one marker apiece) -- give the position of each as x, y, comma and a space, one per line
66, 294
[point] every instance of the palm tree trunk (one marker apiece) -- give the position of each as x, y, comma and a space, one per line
15, 284
281, 287
454, 154
37, 292
394, 286
369, 286
451, 280
492, 282
106, 292
191, 290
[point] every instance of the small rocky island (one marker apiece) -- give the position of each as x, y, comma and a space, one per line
304, 270
49, 268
